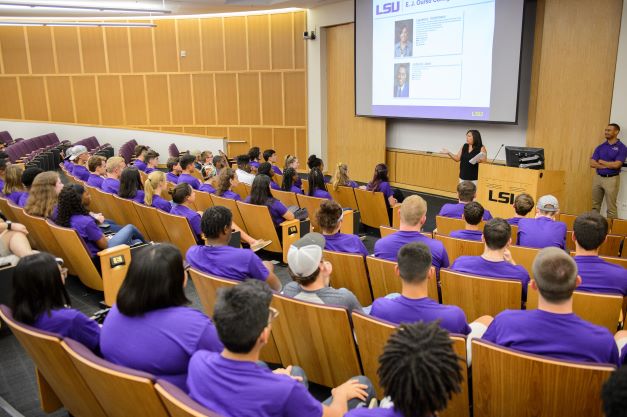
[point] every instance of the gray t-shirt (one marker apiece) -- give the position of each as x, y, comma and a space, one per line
327, 295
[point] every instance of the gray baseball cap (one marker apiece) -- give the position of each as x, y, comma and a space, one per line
548, 203
304, 255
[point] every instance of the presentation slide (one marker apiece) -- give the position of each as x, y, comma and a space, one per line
432, 58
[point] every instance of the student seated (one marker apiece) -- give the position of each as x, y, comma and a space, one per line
415, 270
40, 300
597, 275
311, 275
140, 156
151, 160
67, 164
13, 187
413, 214
188, 168
220, 162
44, 195
317, 187
28, 176
523, 204
244, 171
206, 187
290, 179
341, 178
269, 155
292, 161
472, 216
79, 156
217, 258
466, 192
150, 328
381, 183
153, 187
74, 214
253, 157
131, 187
207, 170
314, 162
544, 230
329, 217
97, 166
226, 181
174, 170
265, 168
496, 260
111, 183
614, 394
419, 371
553, 329
260, 195
233, 384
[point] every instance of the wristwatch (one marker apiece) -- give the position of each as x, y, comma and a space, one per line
9, 223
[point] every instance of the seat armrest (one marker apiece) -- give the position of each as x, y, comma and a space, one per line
290, 232
114, 264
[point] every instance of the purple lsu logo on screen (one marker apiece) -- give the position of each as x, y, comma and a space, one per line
389, 7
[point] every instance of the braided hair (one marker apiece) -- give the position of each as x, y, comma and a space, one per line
288, 179
70, 203
419, 369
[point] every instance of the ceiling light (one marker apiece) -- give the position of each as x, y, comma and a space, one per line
66, 6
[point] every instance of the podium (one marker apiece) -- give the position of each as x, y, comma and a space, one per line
498, 185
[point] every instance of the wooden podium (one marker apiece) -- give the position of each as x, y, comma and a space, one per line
498, 185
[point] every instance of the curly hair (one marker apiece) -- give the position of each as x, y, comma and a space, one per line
340, 176
329, 215
224, 181
70, 204
43, 195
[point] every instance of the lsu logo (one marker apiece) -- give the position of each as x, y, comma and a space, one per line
502, 197
389, 7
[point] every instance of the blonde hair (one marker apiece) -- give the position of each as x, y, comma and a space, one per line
114, 163
154, 179
413, 210
340, 176
13, 179
43, 195
289, 160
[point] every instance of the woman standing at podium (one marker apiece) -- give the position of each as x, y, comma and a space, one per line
468, 156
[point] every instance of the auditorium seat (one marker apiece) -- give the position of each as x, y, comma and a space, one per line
524, 256
305, 184
6, 211
569, 219
619, 227
615, 260
312, 204
106, 202
58, 381
511, 383
178, 403
121, 391
33, 238
479, 296
384, 281
231, 205
445, 225
242, 190
459, 247
373, 209
129, 214
372, 334
386, 231
601, 309
610, 247
349, 271
152, 222
288, 198
203, 201
345, 196
173, 150
179, 231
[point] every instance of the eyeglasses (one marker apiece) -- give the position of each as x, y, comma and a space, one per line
274, 313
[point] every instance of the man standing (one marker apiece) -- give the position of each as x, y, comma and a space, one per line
608, 159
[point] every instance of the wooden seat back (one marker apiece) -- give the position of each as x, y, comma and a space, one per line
112, 212
384, 281
203, 201
5, 210
178, 403
231, 205
179, 231
524, 256
372, 206
479, 296
312, 204
242, 190
303, 336
129, 214
569, 219
349, 271
610, 247
345, 196
95, 205
288, 198
601, 309
278, 178
615, 260
386, 231
121, 391
619, 227
21, 217
372, 335
259, 224
59, 383
41, 228
499, 371
460, 247
152, 223
446, 225
305, 184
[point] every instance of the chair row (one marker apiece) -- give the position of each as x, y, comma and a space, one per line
617, 226
126, 150
6, 139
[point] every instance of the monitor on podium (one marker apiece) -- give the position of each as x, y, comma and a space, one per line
521, 157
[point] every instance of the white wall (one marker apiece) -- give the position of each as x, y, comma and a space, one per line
159, 141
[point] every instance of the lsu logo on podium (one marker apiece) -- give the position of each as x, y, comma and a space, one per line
501, 197
386, 8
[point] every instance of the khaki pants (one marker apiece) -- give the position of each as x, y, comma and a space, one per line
608, 187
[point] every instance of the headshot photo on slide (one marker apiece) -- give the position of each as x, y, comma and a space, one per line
404, 38
401, 80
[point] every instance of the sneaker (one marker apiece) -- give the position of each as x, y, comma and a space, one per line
260, 244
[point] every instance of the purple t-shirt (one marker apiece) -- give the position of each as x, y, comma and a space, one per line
296, 190
384, 187
610, 153
541, 233
455, 210
623, 356
599, 276
227, 262
241, 388
139, 197
322, 194
232, 195
170, 177
192, 217
388, 247
161, 203
346, 243
88, 230
275, 186
140, 165
514, 220
477, 265
69, 165
373, 412
81, 172
560, 336
160, 342
148, 170
254, 164
407, 310
277, 210
207, 188
70, 323
15, 196
22, 201
467, 234
277, 170
110, 185
191, 180
95, 180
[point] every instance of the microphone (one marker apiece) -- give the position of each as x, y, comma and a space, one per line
499, 151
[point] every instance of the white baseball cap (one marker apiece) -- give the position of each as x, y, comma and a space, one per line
77, 150
548, 203
304, 255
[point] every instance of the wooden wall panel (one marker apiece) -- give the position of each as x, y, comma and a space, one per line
14, 53
425, 172
60, 94
143, 55
111, 100
93, 51
67, 49
212, 35
40, 50
10, 103
134, 95
204, 107
284, 143
272, 98
34, 98
181, 97
295, 98
282, 42
226, 97
356, 141
259, 42
301, 144
118, 49
217, 131
262, 137
238, 134
300, 53
157, 96
235, 48
189, 41
86, 99
249, 102
165, 46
